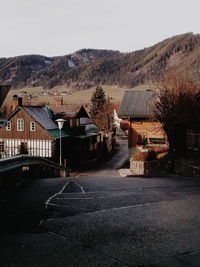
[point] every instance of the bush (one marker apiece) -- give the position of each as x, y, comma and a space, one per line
145, 156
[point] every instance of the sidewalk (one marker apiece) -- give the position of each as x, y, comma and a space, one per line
125, 172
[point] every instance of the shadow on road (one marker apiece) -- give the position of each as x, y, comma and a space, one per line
17, 215
114, 160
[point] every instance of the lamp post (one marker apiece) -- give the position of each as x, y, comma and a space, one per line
60, 126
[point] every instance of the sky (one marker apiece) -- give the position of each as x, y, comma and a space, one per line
61, 27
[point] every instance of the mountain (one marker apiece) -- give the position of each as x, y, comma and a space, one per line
89, 67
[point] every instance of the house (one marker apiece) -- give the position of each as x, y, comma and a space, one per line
193, 132
31, 130
136, 112
87, 140
87, 136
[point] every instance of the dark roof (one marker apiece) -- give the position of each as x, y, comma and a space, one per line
4, 89
43, 115
138, 104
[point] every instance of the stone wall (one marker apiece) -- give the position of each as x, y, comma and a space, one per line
151, 168
163, 167
181, 167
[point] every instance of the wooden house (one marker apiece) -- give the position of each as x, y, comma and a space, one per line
87, 140
31, 130
193, 132
136, 112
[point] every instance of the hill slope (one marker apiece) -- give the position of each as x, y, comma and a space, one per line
89, 67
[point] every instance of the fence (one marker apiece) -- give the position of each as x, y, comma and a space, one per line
193, 140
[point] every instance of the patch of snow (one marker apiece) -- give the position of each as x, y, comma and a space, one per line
71, 64
47, 62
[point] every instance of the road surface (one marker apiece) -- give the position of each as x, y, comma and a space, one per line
102, 220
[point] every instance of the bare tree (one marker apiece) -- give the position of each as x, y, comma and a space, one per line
177, 108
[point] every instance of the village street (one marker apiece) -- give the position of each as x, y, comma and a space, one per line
99, 218
111, 166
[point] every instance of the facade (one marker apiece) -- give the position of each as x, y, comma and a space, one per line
87, 140
193, 133
31, 130
136, 112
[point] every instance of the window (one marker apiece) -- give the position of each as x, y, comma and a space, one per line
71, 123
1, 147
141, 138
8, 126
20, 125
32, 126
23, 148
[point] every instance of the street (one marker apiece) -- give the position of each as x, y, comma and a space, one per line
99, 218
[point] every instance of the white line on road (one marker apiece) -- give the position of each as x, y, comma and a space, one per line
60, 192
80, 193
82, 190
57, 205
73, 198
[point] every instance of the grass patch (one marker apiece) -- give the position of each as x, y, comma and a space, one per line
69, 97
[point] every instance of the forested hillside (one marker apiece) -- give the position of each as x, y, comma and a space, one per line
89, 67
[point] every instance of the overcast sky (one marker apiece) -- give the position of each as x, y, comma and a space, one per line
60, 27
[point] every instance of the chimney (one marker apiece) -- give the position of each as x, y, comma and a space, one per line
17, 101
59, 101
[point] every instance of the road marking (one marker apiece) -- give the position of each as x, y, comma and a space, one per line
60, 192
82, 190
57, 205
74, 198
80, 193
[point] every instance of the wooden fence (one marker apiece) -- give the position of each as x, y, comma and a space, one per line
193, 140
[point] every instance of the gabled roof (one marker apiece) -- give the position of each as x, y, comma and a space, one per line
71, 111
4, 89
64, 110
42, 115
137, 104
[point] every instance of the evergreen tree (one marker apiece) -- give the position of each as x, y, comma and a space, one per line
98, 101
105, 116
101, 110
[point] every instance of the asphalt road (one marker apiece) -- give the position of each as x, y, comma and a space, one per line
102, 220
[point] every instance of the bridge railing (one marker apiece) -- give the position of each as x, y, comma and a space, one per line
15, 169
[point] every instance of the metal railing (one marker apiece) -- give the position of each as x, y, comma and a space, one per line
8, 164
17, 169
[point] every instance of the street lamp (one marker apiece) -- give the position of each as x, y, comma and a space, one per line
60, 126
